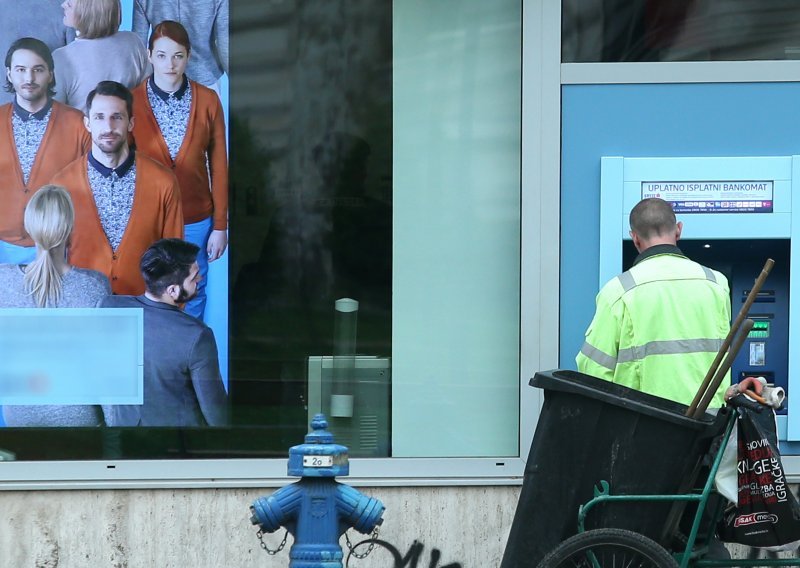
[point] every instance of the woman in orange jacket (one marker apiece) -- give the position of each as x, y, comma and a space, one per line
180, 123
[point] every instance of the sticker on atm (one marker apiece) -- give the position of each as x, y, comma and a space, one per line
758, 354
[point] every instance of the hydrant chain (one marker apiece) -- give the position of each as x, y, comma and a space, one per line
260, 535
369, 548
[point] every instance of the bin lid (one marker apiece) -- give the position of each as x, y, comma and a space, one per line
573, 382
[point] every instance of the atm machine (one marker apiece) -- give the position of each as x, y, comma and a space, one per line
737, 212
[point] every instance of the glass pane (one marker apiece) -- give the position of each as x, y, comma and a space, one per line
457, 228
311, 223
378, 270
679, 30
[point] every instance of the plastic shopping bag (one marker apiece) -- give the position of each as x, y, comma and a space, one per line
766, 514
727, 480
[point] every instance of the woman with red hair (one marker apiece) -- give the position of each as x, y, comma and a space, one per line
180, 124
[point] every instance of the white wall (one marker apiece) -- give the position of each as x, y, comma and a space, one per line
211, 528
468, 526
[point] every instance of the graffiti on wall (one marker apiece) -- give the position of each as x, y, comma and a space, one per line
413, 558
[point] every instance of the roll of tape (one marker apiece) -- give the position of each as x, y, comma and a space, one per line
774, 396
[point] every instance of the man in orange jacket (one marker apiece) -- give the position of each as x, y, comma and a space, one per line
124, 201
38, 137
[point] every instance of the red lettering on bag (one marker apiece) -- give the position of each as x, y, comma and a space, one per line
755, 518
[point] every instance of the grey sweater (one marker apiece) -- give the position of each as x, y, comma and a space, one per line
82, 64
206, 21
80, 289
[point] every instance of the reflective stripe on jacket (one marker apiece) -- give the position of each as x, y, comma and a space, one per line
658, 327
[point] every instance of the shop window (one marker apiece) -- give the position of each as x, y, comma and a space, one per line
374, 237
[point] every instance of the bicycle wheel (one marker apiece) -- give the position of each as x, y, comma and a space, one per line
609, 548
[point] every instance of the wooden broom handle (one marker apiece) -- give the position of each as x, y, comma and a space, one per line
751, 297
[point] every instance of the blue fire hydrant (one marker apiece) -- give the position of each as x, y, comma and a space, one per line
317, 510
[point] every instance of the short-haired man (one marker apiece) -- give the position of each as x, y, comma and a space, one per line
38, 137
124, 201
658, 326
182, 382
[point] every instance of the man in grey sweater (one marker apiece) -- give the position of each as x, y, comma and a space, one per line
206, 21
42, 19
182, 383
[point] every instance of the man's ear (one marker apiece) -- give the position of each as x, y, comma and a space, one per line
130, 125
86, 123
637, 241
174, 291
678, 229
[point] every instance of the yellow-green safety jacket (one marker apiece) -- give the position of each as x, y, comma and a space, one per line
658, 326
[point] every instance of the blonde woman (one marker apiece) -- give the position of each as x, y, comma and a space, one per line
50, 282
100, 53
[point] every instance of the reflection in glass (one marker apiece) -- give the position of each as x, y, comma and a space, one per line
311, 222
680, 30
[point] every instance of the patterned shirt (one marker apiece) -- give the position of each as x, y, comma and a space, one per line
29, 130
172, 112
113, 189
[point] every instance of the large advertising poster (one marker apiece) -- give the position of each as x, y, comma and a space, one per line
310, 133
115, 116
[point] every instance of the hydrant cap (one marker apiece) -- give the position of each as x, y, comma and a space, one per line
319, 431
319, 456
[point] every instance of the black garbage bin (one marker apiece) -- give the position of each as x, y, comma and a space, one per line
591, 430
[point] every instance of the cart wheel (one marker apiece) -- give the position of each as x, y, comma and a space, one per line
606, 548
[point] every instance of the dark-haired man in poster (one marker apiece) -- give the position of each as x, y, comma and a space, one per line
182, 382
42, 19
38, 137
124, 201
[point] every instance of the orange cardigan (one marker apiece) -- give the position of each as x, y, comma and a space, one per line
64, 140
205, 133
156, 214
